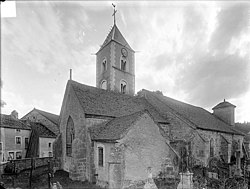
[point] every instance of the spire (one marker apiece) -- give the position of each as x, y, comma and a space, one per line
114, 13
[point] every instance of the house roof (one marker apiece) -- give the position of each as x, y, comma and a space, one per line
7, 121
223, 104
115, 35
52, 117
42, 130
114, 129
195, 116
38, 130
49, 116
108, 103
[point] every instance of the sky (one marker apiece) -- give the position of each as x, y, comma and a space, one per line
195, 52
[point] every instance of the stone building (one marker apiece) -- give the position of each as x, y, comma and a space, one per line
111, 136
51, 121
14, 137
41, 141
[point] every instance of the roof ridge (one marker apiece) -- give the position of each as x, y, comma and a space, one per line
177, 114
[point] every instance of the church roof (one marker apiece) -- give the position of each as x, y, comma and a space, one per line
116, 35
223, 104
196, 117
114, 129
109, 103
7, 121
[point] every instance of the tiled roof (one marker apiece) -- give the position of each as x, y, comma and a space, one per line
108, 103
9, 122
223, 105
115, 35
195, 116
42, 130
52, 117
114, 129
38, 130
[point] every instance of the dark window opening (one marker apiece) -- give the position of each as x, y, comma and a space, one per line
100, 156
26, 143
70, 136
123, 65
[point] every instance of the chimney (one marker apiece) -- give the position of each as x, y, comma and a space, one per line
14, 114
225, 112
70, 74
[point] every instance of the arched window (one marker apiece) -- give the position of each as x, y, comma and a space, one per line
124, 64
104, 65
212, 148
104, 85
70, 136
123, 87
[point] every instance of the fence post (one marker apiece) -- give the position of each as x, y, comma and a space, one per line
31, 162
49, 174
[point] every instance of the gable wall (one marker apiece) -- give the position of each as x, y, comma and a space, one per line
78, 165
37, 117
143, 147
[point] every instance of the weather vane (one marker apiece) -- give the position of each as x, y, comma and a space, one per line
114, 12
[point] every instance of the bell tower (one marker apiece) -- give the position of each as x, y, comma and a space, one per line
115, 63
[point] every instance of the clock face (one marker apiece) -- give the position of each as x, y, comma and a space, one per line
124, 52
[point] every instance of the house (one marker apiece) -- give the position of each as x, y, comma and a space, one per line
41, 141
51, 121
14, 137
112, 136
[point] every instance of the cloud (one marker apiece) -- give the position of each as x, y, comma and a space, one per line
213, 78
232, 20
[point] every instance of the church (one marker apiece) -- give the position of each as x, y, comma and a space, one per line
116, 138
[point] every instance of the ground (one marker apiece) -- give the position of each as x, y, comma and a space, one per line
61, 176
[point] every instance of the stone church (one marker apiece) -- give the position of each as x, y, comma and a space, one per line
114, 137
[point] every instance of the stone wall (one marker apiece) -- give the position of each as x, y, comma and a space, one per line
77, 164
143, 147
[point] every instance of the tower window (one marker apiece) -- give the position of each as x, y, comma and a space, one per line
104, 65
104, 85
123, 87
124, 64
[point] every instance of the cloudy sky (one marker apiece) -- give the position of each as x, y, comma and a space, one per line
196, 52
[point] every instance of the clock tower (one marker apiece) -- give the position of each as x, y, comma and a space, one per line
115, 63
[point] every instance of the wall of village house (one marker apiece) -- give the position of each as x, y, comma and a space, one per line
46, 150
78, 164
8, 139
143, 147
37, 117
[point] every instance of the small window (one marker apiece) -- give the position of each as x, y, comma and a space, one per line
104, 85
50, 154
26, 143
18, 140
104, 65
49, 144
11, 156
123, 87
18, 130
123, 64
100, 156
18, 155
